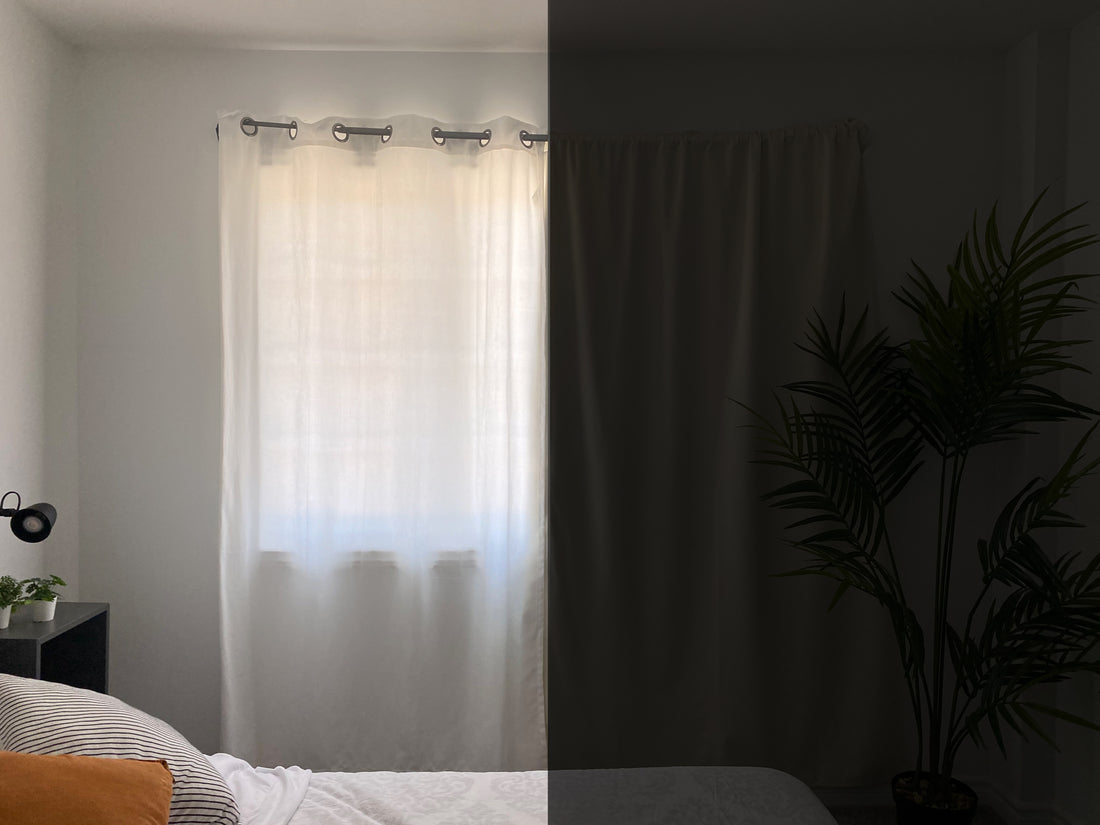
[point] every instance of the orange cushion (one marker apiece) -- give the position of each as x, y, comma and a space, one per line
82, 790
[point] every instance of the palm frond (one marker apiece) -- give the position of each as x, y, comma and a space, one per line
1012, 554
983, 346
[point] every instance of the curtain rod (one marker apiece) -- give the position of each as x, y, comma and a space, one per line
440, 136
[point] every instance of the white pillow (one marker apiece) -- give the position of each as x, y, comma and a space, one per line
50, 718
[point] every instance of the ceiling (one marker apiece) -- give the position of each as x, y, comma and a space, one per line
588, 25
779, 25
391, 25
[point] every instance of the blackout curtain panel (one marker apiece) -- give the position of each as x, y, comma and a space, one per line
681, 271
382, 524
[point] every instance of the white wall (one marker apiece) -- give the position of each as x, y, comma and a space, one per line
1052, 131
150, 326
38, 451
1077, 792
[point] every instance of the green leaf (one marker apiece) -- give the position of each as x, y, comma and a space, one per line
840, 591
1065, 716
1021, 710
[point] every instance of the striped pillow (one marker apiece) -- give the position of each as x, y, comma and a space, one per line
50, 718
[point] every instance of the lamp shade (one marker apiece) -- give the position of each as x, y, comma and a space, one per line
34, 523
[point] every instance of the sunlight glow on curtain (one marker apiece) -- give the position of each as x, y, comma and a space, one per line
383, 531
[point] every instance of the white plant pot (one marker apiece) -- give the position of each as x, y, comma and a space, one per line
42, 611
5, 616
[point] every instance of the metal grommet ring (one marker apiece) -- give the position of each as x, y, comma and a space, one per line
337, 130
438, 136
388, 133
293, 130
525, 139
245, 123
486, 136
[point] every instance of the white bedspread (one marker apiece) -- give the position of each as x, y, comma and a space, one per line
637, 796
440, 798
265, 796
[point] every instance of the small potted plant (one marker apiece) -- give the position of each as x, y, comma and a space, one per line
42, 597
11, 593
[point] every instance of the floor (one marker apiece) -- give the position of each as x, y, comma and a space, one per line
885, 816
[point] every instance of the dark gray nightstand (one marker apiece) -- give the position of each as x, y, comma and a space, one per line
72, 649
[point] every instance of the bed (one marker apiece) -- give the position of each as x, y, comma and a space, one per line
634, 796
50, 734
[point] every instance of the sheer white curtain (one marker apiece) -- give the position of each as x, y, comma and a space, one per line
383, 536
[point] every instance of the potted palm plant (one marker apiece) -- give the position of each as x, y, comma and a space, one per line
975, 379
11, 592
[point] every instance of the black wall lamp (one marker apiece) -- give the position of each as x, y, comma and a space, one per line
32, 523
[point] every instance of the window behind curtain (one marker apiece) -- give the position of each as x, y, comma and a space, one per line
390, 358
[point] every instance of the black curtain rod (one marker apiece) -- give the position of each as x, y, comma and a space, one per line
342, 133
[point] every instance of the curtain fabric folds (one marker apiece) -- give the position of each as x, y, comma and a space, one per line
383, 528
682, 270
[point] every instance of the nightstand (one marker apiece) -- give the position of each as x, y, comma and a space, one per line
72, 649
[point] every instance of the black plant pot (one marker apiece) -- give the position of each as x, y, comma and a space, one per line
910, 812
